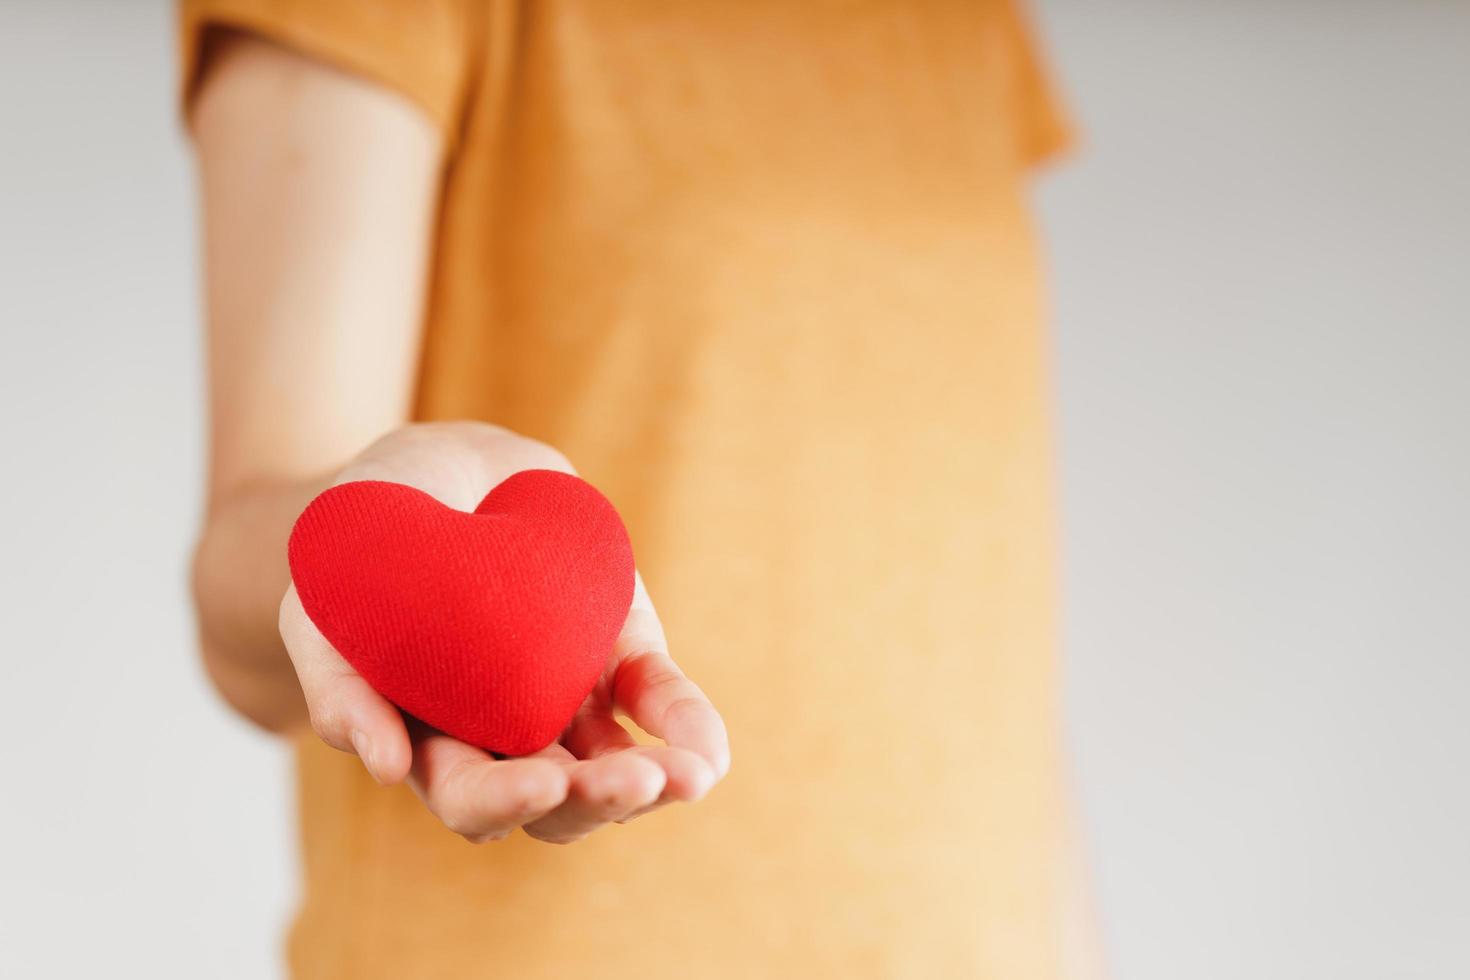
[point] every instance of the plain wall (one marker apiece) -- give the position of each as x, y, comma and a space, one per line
1261, 269
144, 832
1262, 341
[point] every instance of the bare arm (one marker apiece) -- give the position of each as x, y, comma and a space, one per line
318, 196
319, 192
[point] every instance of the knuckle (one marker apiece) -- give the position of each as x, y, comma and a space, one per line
614, 801
668, 686
413, 434
682, 705
539, 455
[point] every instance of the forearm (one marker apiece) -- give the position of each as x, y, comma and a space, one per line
318, 192
239, 576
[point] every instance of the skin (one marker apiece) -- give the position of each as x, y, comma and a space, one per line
319, 191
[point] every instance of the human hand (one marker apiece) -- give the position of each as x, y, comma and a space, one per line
594, 773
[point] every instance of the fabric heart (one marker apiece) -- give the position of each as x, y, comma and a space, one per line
492, 626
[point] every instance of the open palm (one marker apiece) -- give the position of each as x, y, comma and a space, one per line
595, 773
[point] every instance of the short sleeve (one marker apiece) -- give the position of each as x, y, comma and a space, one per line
1046, 128
419, 48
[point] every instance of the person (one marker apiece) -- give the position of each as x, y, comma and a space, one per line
764, 272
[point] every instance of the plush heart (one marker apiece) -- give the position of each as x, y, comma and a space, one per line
492, 626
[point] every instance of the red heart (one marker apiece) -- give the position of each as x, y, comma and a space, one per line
491, 626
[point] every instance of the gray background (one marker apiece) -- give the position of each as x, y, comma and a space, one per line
1262, 302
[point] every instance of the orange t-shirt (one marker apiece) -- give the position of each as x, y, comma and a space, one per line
764, 270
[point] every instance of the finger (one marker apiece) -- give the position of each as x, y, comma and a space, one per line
687, 775
556, 752
595, 732
479, 797
345, 711
651, 688
601, 791
653, 691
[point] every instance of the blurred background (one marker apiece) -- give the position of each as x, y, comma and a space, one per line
1261, 284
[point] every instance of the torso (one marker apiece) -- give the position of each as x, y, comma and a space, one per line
764, 272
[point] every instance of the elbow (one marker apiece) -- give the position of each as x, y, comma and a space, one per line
251, 674
264, 703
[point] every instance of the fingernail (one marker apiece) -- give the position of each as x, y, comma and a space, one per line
364, 750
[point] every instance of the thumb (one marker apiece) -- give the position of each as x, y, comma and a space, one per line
345, 711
